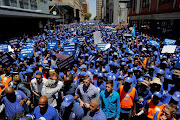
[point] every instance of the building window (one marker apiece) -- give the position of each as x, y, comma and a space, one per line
162, 1
13, 3
21, 4
6, 3
145, 3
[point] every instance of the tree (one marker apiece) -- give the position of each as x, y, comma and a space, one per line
96, 18
87, 16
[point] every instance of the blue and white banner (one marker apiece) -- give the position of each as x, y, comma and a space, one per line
106, 56
51, 45
154, 43
27, 52
14, 43
103, 46
4, 47
69, 49
30, 44
128, 50
132, 31
71, 40
169, 41
80, 39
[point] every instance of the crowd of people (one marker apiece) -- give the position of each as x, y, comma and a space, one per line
137, 85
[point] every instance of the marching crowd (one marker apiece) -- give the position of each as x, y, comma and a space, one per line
136, 85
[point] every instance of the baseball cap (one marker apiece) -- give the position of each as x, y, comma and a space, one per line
121, 77
130, 71
176, 96
100, 75
68, 99
140, 79
83, 73
83, 66
110, 78
145, 82
129, 80
169, 77
160, 71
146, 75
158, 94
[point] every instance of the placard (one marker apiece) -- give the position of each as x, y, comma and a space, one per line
97, 37
6, 60
27, 52
4, 47
103, 46
69, 62
168, 48
51, 45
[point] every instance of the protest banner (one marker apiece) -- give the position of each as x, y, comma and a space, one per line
69, 49
4, 47
106, 56
27, 52
154, 43
66, 63
168, 49
97, 37
30, 44
6, 60
14, 43
51, 45
103, 46
169, 41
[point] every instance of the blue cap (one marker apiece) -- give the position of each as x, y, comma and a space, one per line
152, 67
96, 72
140, 69
75, 65
37, 71
115, 64
169, 77
110, 78
83, 73
158, 94
155, 53
129, 80
29, 71
130, 71
135, 68
160, 71
165, 57
100, 75
68, 99
164, 62
140, 79
146, 75
123, 63
121, 77
176, 96
83, 66
33, 66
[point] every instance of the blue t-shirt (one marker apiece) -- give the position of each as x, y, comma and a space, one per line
12, 108
51, 113
98, 115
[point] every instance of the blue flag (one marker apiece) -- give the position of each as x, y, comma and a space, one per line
154, 43
169, 41
132, 31
27, 52
4, 47
53, 45
106, 56
177, 65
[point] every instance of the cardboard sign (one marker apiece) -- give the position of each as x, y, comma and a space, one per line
168, 49
97, 37
103, 46
27, 52
51, 45
6, 60
4, 47
154, 43
14, 43
66, 63
69, 49
169, 41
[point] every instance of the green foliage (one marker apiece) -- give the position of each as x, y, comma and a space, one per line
96, 18
87, 16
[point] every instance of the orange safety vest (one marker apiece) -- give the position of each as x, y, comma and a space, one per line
5, 80
153, 109
126, 99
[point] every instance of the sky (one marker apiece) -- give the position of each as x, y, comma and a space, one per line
92, 8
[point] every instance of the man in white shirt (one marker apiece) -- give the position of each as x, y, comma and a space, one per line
37, 84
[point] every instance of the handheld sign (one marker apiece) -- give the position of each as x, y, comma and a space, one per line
169, 41
168, 49
106, 56
103, 46
66, 63
132, 31
6, 60
51, 45
91, 56
154, 43
30, 44
4, 47
14, 43
128, 50
177, 65
26, 52
69, 49
97, 37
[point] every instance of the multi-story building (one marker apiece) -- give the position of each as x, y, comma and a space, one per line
157, 17
115, 11
72, 9
23, 16
85, 6
99, 8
